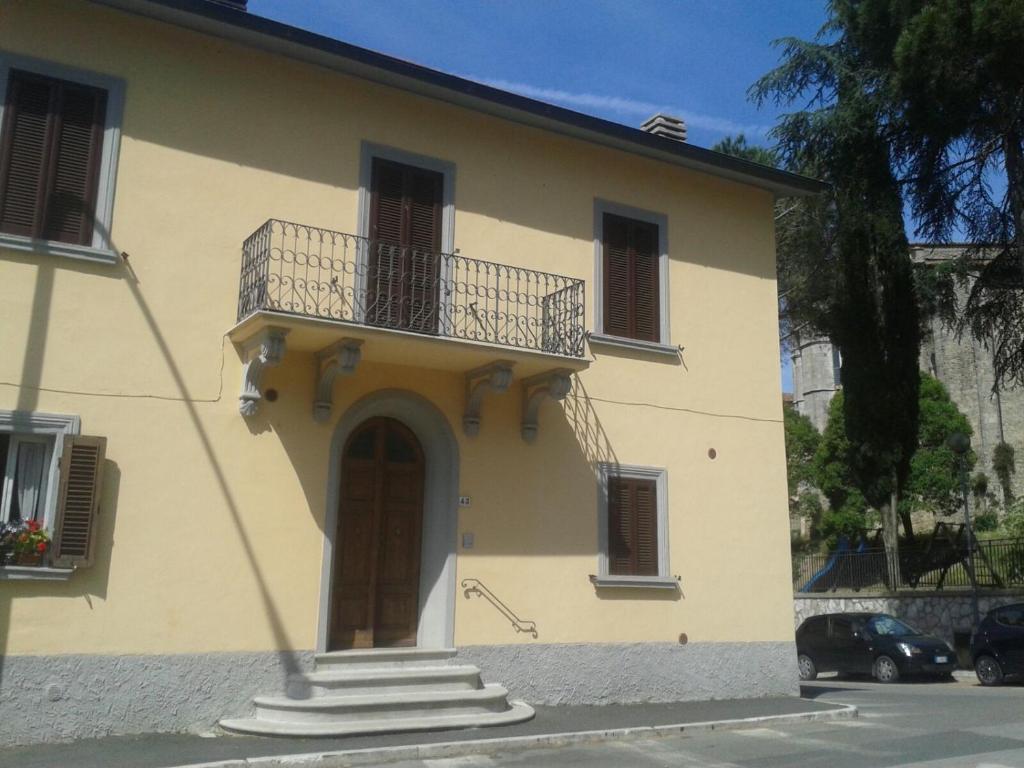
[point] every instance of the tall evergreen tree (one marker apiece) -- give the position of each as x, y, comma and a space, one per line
871, 310
954, 78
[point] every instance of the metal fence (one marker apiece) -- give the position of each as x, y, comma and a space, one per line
998, 564
303, 270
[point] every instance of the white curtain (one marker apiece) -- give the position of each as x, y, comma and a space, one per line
28, 478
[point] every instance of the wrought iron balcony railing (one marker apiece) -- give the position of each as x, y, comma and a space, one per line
302, 270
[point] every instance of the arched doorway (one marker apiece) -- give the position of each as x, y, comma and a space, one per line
376, 570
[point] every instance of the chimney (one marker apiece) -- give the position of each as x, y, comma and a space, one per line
666, 126
238, 5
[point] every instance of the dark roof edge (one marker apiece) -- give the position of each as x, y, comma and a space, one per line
300, 44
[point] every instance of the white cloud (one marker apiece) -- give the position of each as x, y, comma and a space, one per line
624, 106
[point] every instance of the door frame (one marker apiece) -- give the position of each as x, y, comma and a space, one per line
368, 151
440, 510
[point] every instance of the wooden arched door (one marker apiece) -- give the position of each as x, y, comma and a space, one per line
375, 599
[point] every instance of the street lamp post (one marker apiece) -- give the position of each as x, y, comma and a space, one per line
960, 444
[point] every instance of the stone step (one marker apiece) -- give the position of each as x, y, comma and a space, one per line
354, 680
516, 713
382, 706
377, 658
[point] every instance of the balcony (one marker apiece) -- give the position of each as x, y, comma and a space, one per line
404, 305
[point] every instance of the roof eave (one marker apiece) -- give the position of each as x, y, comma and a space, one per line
273, 36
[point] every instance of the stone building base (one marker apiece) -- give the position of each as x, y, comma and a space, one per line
61, 698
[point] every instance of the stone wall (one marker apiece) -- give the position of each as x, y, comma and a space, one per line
934, 613
963, 364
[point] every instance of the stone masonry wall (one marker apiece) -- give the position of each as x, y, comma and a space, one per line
933, 613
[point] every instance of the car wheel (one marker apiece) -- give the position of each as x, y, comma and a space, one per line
885, 670
988, 671
806, 667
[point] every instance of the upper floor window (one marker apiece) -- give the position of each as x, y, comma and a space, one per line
59, 137
631, 267
50, 157
631, 279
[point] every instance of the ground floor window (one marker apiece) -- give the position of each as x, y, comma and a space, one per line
30, 450
633, 527
26, 461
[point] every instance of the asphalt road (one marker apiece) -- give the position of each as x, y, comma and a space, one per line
917, 724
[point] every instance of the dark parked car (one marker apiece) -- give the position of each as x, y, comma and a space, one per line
997, 645
869, 643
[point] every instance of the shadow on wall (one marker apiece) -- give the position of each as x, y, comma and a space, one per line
590, 435
96, 584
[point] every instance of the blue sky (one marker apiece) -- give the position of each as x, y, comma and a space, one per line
621, 60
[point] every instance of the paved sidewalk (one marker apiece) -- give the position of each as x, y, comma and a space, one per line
551, 726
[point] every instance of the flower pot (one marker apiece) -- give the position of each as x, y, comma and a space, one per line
28, 558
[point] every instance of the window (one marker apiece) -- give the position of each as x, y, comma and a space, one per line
30, 451
815, 628
631, 258
51, 474
58, 143
52, 140
631, 279
1012, 616
842, 628
633, 527
25, 461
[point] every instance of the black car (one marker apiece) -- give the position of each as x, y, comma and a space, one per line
997, 645
869, 643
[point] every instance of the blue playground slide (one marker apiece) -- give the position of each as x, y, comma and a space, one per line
843, 547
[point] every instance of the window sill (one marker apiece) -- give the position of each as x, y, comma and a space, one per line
56, 248
636, 582
601, 340
34, 573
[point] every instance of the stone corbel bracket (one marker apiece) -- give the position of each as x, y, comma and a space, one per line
336, 360
259, 352
495, 377
554, 384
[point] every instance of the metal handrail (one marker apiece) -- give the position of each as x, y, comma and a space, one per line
314, 272
477, 587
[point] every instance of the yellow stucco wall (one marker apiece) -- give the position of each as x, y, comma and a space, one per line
211, 534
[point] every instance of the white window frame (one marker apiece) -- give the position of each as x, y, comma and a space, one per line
598, 335
664, 579
31, 425
101, 249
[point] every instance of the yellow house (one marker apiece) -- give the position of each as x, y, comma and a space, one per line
388, 398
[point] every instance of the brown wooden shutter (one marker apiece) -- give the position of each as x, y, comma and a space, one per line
424, 246
646, 508
616, 276
645, 290
620, 528
632, 527
26, 133
50, 154
386, 259
631, 279
81, 483
75, 165
405, 216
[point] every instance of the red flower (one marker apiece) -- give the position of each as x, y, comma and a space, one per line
41, 546
33, 526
